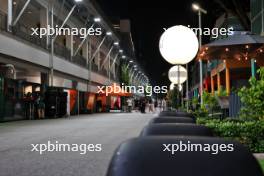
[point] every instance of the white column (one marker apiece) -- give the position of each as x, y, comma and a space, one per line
9, 15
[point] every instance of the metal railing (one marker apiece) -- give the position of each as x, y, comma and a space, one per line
79, 60
24, 32
62, 51
94, 67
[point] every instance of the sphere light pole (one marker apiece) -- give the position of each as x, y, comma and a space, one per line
177, 74
178, 45
200, 10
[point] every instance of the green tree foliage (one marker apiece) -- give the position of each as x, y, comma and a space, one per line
249, 133
252, 98
209, 101
174, 97
124, 75
209, 104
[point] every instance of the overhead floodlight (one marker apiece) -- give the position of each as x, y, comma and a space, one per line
120, 51
116, 43
109, 33
97, 19
195, 6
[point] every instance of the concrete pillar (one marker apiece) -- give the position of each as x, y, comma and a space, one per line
9, 15
218, 83
227, 75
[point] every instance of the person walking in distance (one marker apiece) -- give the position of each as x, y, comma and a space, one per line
163, 104
41, 108
150, 102
129, 104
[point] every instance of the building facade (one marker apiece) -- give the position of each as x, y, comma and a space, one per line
232, 66
62, 64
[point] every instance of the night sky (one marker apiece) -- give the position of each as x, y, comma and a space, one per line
148, 21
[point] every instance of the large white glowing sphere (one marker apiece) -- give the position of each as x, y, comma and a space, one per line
177, 74
178, 45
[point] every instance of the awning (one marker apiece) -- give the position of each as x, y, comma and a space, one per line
239, 47
238, 40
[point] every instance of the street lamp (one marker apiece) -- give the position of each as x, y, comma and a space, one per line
179, 45
200, 10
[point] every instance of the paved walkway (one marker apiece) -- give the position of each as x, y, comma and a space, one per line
16, 157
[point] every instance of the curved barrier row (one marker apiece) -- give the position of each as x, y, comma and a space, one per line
176, 129
173, 145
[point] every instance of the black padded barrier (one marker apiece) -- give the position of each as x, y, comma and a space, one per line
144, 156
188, 129
172, 120
176, 114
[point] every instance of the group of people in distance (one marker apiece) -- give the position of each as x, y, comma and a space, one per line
146, 105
